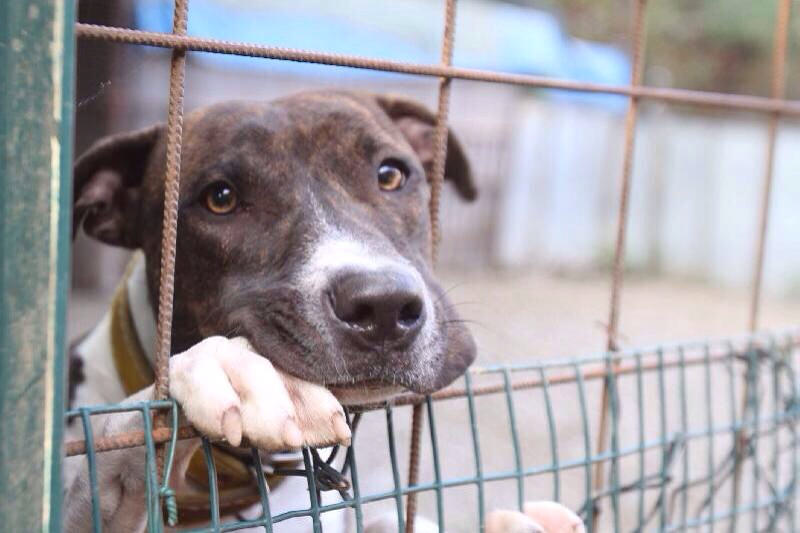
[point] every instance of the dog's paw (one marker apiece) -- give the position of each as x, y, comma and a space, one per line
227, 390
537, 517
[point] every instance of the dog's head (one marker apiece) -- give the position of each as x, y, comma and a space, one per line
303, 226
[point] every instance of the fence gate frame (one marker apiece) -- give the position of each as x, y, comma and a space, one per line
37, 51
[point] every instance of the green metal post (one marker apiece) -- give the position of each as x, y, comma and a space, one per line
36, 58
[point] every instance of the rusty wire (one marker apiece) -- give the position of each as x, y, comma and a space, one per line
440, 131
440, 136
598, 370
417, 417
777, 90
169, 227
168, 40
169, 230
617, 272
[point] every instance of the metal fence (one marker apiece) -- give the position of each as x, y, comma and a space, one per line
676, 471
751, 451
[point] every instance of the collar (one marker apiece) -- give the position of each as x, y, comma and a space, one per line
133, 337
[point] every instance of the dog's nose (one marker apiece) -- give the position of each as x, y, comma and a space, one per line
378, 306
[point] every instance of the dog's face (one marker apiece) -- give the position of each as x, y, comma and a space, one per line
303, 226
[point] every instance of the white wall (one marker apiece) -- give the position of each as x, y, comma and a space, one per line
697, 185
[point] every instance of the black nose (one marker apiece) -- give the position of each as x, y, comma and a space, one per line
378, 306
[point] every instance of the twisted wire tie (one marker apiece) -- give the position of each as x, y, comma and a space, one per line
170, 504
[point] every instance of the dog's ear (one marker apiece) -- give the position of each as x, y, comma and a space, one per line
417, 124
106, 190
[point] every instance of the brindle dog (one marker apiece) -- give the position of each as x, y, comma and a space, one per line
302, 277
301, 177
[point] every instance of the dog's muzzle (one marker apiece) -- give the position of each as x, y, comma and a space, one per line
376, 309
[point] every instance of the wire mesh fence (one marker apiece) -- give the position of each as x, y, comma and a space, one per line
677, 433
677, 437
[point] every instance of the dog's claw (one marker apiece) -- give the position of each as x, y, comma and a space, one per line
232, 425
341, 429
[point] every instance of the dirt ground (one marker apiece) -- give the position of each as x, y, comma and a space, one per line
525, 317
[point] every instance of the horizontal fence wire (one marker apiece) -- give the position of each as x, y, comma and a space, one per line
629, 361
672, 457
200, 44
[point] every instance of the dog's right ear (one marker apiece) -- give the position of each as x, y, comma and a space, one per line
417, 124
106, 190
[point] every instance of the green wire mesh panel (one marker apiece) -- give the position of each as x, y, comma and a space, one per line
703, 436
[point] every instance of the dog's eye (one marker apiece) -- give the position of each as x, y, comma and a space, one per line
220, 198
391, 176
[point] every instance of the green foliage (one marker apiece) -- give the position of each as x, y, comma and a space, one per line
714, 45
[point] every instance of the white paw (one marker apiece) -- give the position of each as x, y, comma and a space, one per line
554, 517
537, 517
226, 390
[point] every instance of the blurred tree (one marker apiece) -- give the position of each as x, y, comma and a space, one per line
714, 45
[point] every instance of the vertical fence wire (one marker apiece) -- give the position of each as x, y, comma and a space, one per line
417, 416
169, 228
437, 470
684, 410
351, 460
476, 451
313, 491
436, 180
213, 492
777, 90
398, 489
637, 41
587, 443
92, 465
263, 490
553, 433
642, 463
775, 374
171, 195
440, 130
512, 422
709, 398
663, 473
734, 425
795, 458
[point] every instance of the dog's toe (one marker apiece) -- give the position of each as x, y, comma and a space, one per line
319, 414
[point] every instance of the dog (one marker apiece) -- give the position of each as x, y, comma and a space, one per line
302, 283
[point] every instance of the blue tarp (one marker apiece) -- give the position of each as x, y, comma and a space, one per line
490, 35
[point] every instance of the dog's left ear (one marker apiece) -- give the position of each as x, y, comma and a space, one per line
106, 189
417, 123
